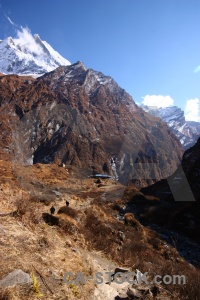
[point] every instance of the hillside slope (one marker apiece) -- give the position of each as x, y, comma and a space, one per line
78, 116
180, 195
87, 237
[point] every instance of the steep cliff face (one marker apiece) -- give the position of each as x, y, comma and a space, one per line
79, 116
179, 195
195, 126
189, 171
187, 132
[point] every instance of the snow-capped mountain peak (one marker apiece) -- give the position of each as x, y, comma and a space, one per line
175, 119
28, 54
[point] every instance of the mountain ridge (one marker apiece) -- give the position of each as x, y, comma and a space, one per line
174, 117
79, 116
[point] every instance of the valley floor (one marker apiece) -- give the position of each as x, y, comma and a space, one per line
88, 236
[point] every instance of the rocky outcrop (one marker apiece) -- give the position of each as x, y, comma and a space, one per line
78, 116
16, 277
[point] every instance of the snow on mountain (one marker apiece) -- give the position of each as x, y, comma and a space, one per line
28, 54
175, 119
195, 126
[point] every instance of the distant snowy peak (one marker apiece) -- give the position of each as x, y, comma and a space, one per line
175, 119
31, 56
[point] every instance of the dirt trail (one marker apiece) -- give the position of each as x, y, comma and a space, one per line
105, 290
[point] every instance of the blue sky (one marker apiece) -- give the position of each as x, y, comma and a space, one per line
150, 47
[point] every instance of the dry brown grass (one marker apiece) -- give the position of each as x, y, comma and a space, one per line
45, 249
143, 251
4, 294
28, 243
69, 211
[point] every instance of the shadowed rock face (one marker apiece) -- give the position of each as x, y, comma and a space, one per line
79, 116
180, 194
190, 167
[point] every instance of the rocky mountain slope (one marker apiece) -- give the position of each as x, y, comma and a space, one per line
195, 126
78, 116
175, 119
34, 56
180, 195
